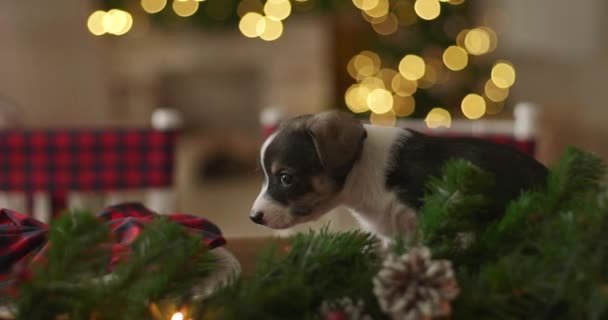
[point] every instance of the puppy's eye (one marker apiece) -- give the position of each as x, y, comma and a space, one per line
286, 179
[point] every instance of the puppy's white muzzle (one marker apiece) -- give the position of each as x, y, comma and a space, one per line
270, 213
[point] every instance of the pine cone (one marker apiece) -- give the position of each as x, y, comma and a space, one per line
412, 286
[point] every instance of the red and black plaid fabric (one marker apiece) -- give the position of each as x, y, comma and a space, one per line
85, 159
23, 237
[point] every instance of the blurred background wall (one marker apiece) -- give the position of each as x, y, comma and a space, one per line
55, 73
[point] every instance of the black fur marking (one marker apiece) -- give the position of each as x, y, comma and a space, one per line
420, 156
294, 150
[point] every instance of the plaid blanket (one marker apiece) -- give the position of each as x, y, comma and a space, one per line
22, 237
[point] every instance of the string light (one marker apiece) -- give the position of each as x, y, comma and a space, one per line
495, 93
380, 101
427, 9
473, 106
403, 86
269, 29
387, 76
412, 67
378, 11
248, 24
438, 117
503, 75
185, 8
115, 21
477, 41
177, 316
153, 6
277, 9
356, 98
455, 58
386, 25
365, 4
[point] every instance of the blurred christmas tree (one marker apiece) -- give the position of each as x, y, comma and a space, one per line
419, 58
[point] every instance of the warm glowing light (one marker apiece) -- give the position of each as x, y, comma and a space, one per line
116, 21
185, 8
365, 4
412, 67
386, 119
492, 36
503, 75
461, 36
248, 24
427, 9
403, 86
380, 10
456, 1
366, 64
95, 23
356, 98
473, 106
387, 75
372, 83
177, 316
277, 9
495, 93
477, 41
455, 58
438, 117
247, 6
403, 106
270, 29
380, 101
153, 6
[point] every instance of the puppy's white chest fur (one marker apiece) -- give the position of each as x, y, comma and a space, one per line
365, 193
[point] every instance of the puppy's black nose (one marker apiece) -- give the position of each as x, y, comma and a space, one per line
257, 217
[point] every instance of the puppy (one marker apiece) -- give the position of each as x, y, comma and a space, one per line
315, 163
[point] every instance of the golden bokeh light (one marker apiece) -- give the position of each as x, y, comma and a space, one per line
387, 75
95, 23
438, 117
365, 4
380, 101
404, 10
403, 86
373, 83
456, 2
503, 74
248, 24
495, 93
116, 21
473, 106
269, 29
403, 106
461, 36
246, 6
386, 119
185, 8
380, 10
356, 98
153, 6
477, 41
492, 36
277, 9
427, 9
412, 67
365, 64
386, 25
455, 58
127, 26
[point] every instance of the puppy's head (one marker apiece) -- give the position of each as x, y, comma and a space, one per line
305, 165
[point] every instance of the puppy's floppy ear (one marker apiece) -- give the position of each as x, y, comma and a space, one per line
338, 138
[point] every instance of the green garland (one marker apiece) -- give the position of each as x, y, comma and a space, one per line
545, 258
